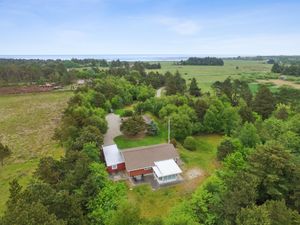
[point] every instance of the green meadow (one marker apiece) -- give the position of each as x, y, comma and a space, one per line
27, 124
207, 75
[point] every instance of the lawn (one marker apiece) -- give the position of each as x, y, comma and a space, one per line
162, 200
131, 142
206, 75
254, 86
205, 154
27, 123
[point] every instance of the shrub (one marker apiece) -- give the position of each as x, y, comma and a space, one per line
173, 142
127, 113
133, 126
152, 129
190, 143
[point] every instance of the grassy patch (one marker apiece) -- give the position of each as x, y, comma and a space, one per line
131, 142
120, 112
155, 203
207, 75
255, 86
158, 203
204, 156
27, 123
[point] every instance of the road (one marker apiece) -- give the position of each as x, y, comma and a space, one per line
113, 122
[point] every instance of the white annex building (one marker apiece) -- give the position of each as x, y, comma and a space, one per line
166, 171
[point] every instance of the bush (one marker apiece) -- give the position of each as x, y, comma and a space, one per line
127, 113
133, 125
152, 129
173, 142
190, 143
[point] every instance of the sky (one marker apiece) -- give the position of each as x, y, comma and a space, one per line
211, 27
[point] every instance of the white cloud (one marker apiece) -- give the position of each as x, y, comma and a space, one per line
180, 26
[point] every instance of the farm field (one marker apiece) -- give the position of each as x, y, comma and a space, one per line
206, 75
27, 123
202, 161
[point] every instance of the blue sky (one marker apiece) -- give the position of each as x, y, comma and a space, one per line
150, 27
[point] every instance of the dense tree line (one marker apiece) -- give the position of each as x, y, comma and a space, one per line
207, 61
293, 69
259, 179
271, 58
37, 71
76, 63
150, 66
13, 71
258, 182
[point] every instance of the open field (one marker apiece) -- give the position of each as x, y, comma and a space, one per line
27, 123
162, 200
206, 75
279, 83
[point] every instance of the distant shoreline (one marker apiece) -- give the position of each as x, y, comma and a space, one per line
122, 57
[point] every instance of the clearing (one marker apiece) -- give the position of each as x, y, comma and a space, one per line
278, 82
207, 75
27, 124
197, 166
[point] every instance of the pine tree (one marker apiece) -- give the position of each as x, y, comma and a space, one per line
194, 89
264, 102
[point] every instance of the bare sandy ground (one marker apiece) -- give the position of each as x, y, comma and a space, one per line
193, 173
280, 83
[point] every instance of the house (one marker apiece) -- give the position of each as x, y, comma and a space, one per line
160, 161
139, 161
113, 158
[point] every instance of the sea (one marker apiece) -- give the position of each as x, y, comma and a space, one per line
122, 57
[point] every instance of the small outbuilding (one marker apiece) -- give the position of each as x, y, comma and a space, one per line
113, 158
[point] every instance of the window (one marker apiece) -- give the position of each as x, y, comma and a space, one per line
114, 167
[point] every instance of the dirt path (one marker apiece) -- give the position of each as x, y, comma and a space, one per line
280, 83
159, 91
113, 122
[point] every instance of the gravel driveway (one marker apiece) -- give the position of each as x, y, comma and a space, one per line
113, 122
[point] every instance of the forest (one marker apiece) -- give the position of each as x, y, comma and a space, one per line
257, 182
207, 61
18, 71
292, 69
